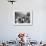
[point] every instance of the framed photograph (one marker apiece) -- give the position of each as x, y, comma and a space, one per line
23, 18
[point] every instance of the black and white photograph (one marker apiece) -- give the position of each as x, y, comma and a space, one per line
22, 18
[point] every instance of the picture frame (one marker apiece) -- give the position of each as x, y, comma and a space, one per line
23, 18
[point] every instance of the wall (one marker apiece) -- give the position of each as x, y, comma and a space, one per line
9, 31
